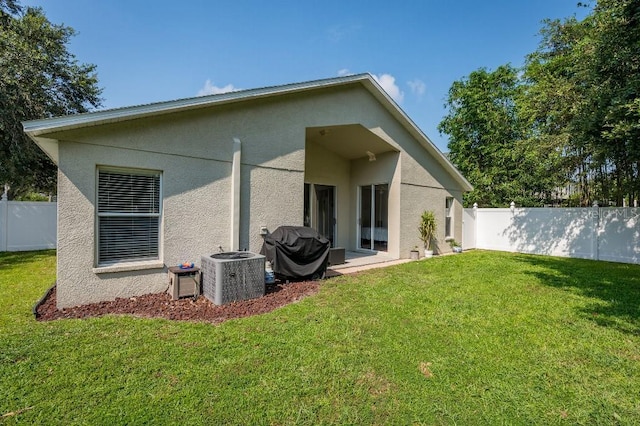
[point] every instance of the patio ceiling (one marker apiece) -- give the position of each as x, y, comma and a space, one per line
350, 141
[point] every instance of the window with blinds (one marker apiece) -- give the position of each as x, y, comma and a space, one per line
128, 216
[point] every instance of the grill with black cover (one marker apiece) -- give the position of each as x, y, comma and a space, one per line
296, 252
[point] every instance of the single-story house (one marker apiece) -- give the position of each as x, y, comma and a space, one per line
147, 187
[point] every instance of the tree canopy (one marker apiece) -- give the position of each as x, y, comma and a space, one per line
573, 110
39, 78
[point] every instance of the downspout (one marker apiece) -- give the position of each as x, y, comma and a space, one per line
234, 242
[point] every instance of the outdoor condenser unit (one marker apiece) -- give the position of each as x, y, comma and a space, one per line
232, 276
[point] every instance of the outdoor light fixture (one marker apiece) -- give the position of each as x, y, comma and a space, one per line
372, 156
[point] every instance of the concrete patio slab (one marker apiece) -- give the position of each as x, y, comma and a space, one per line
356, 262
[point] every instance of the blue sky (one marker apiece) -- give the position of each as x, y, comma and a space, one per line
163, 50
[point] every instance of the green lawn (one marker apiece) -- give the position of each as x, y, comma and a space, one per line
478, 338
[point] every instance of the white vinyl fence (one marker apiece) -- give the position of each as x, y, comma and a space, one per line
26, 225
610, 233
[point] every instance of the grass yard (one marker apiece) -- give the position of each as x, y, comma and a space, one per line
478, 338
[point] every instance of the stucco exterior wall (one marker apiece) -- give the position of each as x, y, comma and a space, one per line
420, 183
194, 220
193, 150
269, 198
323, 167
385, 170
414, 200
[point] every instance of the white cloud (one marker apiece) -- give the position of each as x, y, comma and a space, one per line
344, 72
388, 83
211, 89
417, 87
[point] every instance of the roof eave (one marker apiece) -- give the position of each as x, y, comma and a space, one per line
71, 122
48, 145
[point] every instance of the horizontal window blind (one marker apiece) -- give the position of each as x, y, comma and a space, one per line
128, 193
128, 238
128, 216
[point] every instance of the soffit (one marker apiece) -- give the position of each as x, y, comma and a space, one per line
348, 141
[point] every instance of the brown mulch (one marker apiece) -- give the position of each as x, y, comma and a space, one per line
161, 306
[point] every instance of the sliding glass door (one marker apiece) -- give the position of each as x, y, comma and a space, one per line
374, 217
320, 210
326, 211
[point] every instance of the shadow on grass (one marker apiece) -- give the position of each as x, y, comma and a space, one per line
614, 288
18, 258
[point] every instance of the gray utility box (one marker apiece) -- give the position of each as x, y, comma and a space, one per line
336, 256
183, 282
232, 276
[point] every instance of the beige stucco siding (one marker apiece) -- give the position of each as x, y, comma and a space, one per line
385, 170
193, 150
193, 218
414, 200
323, 167
270, 197
421, 184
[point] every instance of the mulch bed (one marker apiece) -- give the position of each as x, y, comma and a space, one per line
161, 306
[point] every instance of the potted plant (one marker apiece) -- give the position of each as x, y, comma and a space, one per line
414, 254
455, 246
427, 231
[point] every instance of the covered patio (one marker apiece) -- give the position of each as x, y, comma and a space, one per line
358, 261
352, 187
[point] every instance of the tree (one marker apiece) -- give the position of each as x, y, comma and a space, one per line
39, 78
583, 86
551, 99
489, 143
8, 8
570, 117
614, 77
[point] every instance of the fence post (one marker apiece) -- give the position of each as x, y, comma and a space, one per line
596, 231
4, 219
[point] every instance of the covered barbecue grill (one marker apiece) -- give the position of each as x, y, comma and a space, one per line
296, 252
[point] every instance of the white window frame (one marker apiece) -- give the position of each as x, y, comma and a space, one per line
131, 262
449, 203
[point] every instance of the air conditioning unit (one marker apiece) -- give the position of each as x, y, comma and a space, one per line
232, 276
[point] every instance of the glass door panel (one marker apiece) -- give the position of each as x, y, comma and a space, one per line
326, 211
374, 217
381, 215
365, 217
306, 220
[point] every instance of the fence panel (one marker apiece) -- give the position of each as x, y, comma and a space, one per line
468, 229
611, 234
567, 232
4, 217
27, 225
491, 229
619, 235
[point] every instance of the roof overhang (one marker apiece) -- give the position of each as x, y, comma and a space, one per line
40, 131
350, 141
